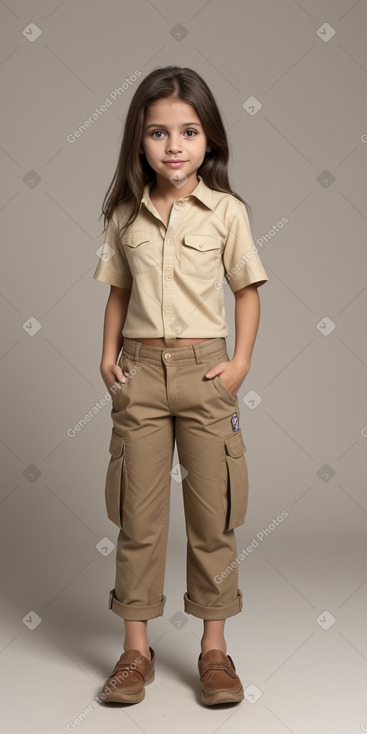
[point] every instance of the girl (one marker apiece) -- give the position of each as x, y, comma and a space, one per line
176, 233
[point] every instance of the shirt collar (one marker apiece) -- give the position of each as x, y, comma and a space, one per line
201, 192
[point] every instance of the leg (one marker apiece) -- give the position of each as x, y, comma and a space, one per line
213, 636
136, 637
137, 500
137, 495
215, 487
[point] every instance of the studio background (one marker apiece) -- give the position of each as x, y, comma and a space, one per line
290, 81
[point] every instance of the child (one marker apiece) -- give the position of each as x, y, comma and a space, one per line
176, 233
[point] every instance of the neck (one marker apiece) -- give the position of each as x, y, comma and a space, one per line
165, 189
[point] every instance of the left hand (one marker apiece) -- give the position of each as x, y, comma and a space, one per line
232, 373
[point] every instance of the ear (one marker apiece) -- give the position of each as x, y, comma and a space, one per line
208, 148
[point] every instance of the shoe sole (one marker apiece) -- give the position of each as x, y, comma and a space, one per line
126, 697
222, 697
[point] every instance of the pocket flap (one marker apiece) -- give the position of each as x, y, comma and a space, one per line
235, 446
203, 241
116, 445
137, 237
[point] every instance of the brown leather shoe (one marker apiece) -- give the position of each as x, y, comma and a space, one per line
219, 680
131, 674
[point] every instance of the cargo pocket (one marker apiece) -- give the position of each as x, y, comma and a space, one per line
115, 479
237, 481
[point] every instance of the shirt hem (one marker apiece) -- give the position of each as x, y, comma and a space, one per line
110, 280
238, 286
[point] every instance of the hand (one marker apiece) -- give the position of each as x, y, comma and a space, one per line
111, 373
232, 373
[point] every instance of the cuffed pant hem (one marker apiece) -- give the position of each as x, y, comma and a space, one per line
198, 610
131, 612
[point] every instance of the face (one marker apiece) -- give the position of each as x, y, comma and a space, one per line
173, 132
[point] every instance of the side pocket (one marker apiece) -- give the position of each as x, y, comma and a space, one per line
115, 479
218, 383
238, 485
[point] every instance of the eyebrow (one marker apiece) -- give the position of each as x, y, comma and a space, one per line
185, 124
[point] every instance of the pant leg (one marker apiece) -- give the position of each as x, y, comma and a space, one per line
215, 486
138, 487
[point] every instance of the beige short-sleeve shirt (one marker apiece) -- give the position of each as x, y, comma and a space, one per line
176, 273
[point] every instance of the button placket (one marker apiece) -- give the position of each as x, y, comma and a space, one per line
168, 310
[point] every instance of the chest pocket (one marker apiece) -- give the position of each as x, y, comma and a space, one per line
200, 255
143, 251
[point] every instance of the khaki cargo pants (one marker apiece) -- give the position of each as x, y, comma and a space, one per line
166, 398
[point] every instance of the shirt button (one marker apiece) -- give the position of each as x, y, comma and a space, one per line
168, 355
169, 242
168, 312
201, 245
168, 277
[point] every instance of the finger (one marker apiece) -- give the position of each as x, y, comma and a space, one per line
120, 377
214, 371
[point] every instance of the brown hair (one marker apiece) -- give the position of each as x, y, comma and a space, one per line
133, 171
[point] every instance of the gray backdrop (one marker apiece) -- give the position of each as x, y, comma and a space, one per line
290, 80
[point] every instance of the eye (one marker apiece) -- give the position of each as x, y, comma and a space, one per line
155, 132
192, 131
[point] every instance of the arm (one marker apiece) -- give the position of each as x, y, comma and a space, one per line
247, 316
115, 315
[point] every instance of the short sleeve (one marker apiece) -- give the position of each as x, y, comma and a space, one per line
113, 267
241, 260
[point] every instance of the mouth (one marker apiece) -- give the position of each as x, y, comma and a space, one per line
174, 163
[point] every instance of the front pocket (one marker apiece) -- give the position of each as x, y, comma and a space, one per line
115, 479
238, 485
200, 255
116, 389
143, 251
218, 382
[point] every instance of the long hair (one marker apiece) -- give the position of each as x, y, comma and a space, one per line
133, 171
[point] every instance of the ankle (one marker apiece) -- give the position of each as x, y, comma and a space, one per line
213, 644
142, 647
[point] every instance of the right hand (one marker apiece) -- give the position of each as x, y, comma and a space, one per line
111, 373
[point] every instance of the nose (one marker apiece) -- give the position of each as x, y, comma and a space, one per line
174, 145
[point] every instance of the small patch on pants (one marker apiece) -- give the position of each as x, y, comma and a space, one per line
235, 422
